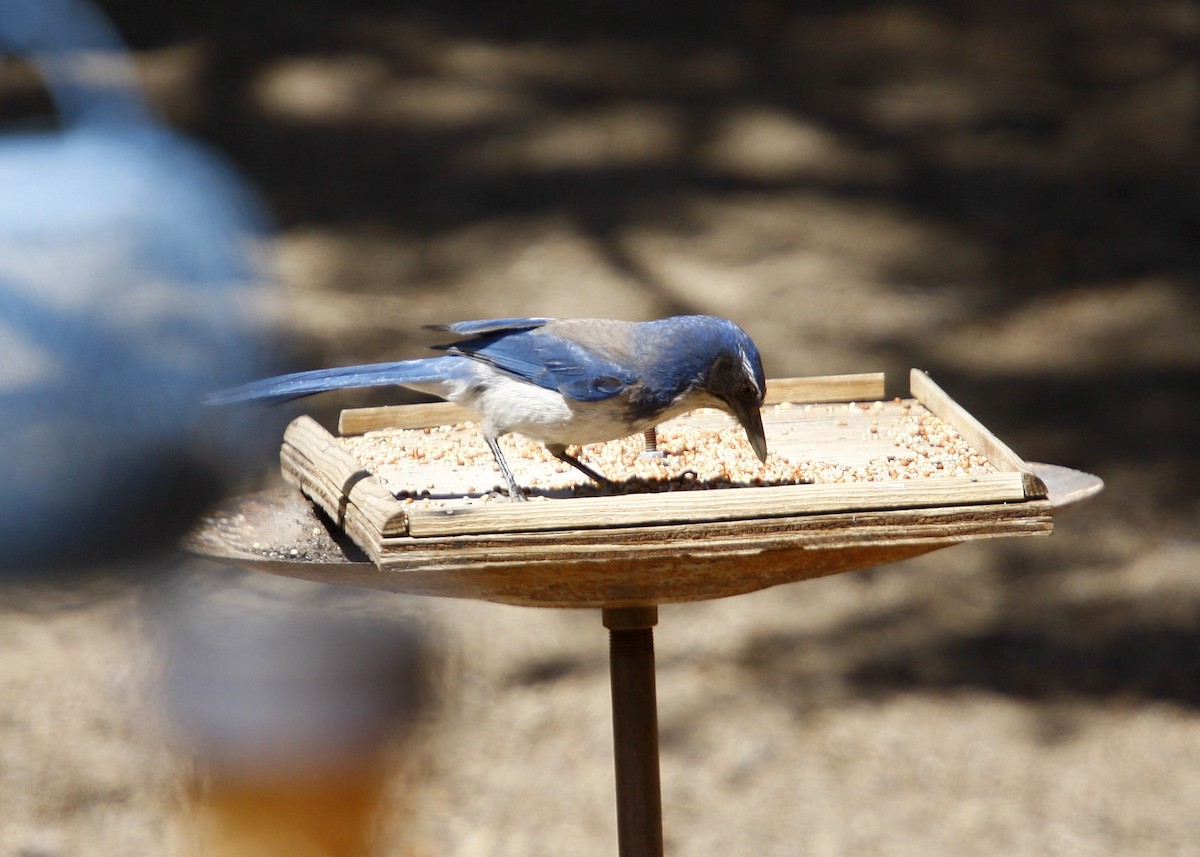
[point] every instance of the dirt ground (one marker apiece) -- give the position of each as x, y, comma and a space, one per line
1006, 195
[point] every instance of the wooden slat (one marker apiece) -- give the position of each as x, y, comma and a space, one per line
939, 403
364, 534
698, 562
330, 457
864, 387
697, 539
837, 529
713, 505
363, 527
362, 420
341, 474
349, 518
299, 471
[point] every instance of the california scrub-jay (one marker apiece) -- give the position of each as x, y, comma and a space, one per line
566, 381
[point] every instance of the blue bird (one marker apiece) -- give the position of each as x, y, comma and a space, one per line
565, 382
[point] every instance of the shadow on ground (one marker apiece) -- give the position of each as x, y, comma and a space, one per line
1058, 139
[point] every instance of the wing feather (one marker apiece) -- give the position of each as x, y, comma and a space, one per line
530, 349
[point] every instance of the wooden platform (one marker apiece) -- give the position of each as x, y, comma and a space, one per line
631, 549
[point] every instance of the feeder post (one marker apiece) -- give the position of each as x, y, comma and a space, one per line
635, 729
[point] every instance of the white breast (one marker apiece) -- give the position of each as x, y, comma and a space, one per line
508, 405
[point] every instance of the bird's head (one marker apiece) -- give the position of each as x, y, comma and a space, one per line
735, 379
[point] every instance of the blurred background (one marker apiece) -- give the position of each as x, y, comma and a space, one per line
1006, 195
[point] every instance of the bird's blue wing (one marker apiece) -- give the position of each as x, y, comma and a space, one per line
581, 373
544, 358
490, 325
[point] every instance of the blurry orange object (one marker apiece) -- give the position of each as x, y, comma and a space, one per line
331, 815
289, 717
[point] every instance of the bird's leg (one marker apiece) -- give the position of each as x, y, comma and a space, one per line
514, 490
560, 452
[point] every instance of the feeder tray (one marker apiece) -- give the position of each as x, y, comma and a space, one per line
429, 527
433, 527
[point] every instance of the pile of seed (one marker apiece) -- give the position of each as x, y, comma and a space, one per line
918, 445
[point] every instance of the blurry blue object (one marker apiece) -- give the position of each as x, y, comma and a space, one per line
131, 283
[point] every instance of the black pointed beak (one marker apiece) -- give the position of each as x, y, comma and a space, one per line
750, 416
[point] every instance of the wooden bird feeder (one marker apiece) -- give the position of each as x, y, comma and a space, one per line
880, 490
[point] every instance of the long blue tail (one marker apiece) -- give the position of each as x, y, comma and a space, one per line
427, 372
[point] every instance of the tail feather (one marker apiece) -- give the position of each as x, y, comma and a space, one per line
428, 372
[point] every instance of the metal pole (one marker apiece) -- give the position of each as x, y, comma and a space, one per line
635, 729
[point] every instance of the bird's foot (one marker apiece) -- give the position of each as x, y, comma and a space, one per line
560, 452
